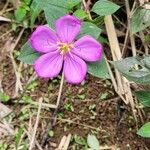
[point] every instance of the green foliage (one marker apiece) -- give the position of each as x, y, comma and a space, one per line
20, 13
27, 1
104, 95
53, 9
18, 137
31, 86
105, 7
3, 146
81, 96
147, 38
34, 12
24, 113
79, 140
28, 55
136, 69
144, 131
140, 20
143, 97
89, 28
92, 107
27, 99
69, 107
99, 69
80, 13
93, 142
51, 133
27, 12
4, 97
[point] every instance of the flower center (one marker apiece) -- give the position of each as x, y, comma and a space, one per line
64, 47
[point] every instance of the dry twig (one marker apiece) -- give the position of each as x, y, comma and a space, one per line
5, 6
4, 19
123, 86
133, 46
17, 73
32, 141
64, 144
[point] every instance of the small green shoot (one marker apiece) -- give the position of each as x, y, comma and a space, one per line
79, 140
69, 107
4, 97
51, 133
81, 96
104, 96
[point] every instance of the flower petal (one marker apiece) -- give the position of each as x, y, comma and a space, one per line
88, 49
74, 69
44, 39
67, 28
49, 65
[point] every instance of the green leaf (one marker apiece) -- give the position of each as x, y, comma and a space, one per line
80, 13
28, 55
55, 8
104, 95
35, 11
51, 133
71, 3
20, 14
105, 7
18, 137
81, 96
135, 69
25, 6
93, 142
147, 38
99, 69
27, 1
140, 20
143, 97
27, 99
144, 131
146, 61
79, 140
89, 28
4, 97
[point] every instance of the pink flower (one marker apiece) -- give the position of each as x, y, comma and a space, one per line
61, 50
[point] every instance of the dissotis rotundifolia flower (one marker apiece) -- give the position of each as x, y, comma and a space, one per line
60, 49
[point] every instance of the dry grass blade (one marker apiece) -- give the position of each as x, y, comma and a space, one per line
143, 1
32, 141
108, 147
80, 124
15, 3
5, 127
123, 85
147, 6
64, 144
36, 142
133, 46
61, 143
5, 6
4, 19
18, 85
6, 33
4, 111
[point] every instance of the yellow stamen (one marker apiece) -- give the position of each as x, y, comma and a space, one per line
64, 47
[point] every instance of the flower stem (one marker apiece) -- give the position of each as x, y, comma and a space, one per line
60, 90
54, 117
